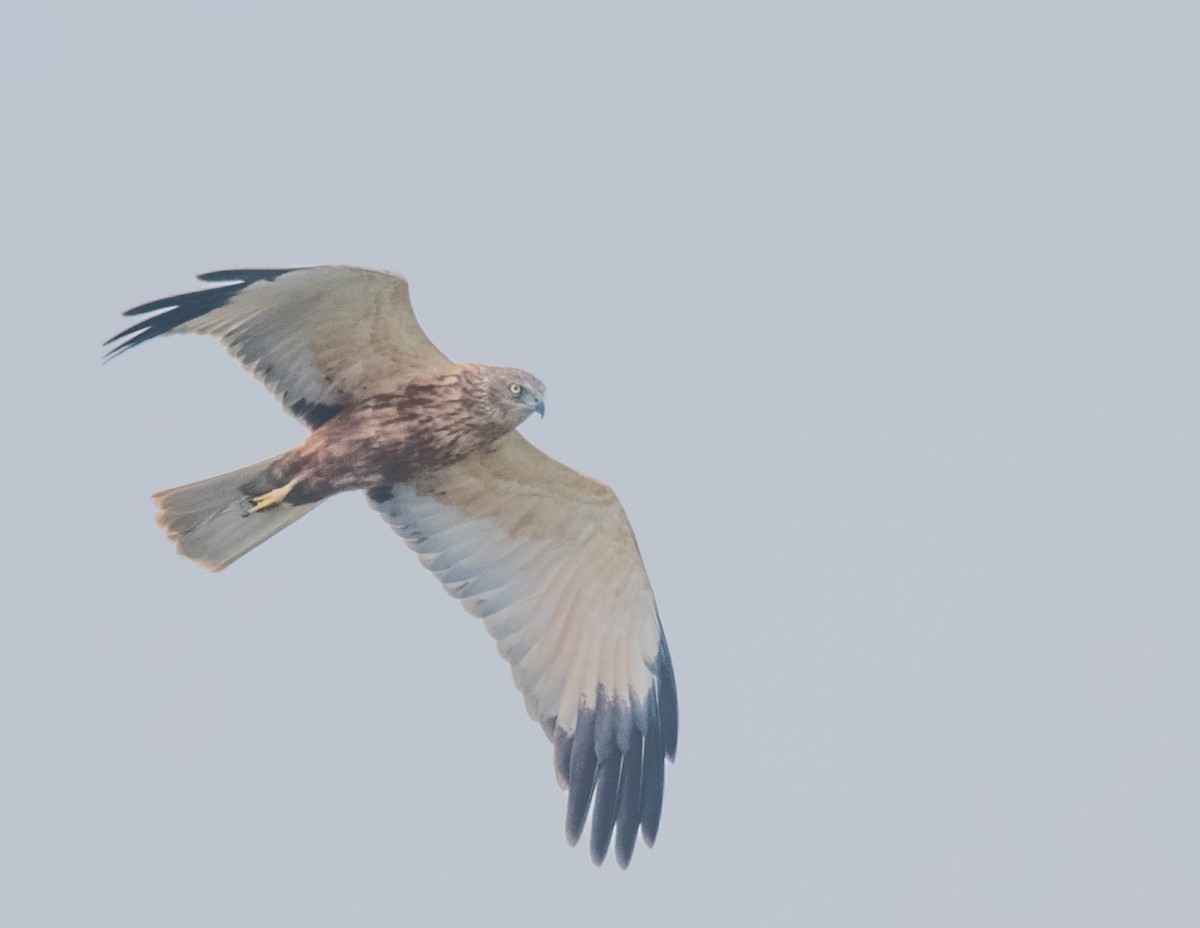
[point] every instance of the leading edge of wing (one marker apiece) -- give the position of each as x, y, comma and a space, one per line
174, 311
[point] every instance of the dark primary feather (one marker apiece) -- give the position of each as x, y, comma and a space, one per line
581, 776
668, 698
652, 774
174, 311
629, 801
604, 810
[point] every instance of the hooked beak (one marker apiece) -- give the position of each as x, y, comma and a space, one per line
540, 409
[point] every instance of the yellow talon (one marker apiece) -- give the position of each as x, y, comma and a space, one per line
272, 498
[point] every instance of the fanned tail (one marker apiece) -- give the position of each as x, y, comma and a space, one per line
210, 521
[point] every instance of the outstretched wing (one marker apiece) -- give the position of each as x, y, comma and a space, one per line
546, 557
318, 337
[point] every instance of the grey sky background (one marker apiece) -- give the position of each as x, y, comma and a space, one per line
880, 318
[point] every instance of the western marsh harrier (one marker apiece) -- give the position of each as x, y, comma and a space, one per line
543, 555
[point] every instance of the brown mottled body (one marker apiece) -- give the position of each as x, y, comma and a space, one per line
391, 438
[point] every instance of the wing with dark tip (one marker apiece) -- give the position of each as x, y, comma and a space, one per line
318, 337
546, 557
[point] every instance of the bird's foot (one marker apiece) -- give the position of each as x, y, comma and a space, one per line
272, 498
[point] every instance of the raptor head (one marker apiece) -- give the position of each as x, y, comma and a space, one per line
516, 393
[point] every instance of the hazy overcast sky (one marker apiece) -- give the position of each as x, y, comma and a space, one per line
881, 318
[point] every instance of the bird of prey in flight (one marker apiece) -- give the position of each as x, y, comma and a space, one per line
542, 554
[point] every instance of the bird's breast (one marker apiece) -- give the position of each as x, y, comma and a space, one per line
389, 440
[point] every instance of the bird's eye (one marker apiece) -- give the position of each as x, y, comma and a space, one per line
516, 389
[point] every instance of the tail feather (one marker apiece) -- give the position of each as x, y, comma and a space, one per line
209, 523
